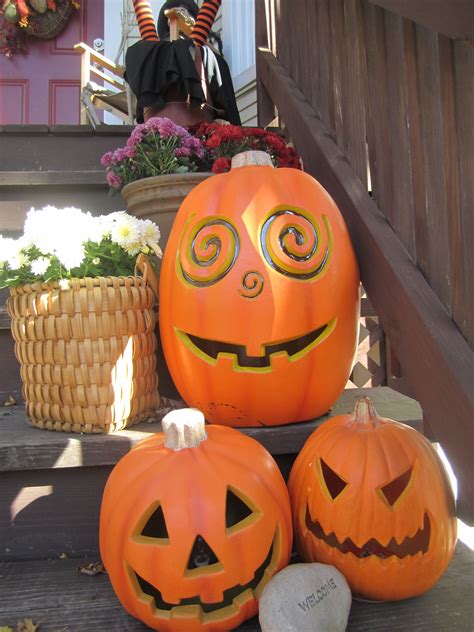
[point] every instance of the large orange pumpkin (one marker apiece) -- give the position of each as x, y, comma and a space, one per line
189, 533
370, 496
259, 298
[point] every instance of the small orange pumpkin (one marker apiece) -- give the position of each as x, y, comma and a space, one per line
189, 533
259, 298
370, 496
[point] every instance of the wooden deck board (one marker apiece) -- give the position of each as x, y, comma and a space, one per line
25, 448
58, 597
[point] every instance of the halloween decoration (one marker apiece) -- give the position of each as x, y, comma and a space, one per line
259, 297
11, 13
370, 496
189, 534
145, 21
187, 7
205, 20
188, 84
44, 19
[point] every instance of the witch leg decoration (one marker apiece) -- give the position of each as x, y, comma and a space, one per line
145, 20
204, 21
182, 79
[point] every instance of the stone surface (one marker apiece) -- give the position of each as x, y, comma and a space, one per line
305, 598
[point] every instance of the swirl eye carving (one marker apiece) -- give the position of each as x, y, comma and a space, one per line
208, 251
293, 244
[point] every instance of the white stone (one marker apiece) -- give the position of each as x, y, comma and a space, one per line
305, 598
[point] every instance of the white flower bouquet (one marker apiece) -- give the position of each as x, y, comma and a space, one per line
69, 243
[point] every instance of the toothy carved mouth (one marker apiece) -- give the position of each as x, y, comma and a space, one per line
419, 543
294, 348
229, 595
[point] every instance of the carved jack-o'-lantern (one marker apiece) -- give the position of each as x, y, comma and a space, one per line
259, 298
189, 534
370, 496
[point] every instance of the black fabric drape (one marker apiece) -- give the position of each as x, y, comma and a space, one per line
153, 68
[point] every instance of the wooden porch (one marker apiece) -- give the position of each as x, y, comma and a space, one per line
51, 489
378, 97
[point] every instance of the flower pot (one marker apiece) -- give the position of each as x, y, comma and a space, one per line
87, 352
158, 198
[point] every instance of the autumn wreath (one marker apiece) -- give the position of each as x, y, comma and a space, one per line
39, 18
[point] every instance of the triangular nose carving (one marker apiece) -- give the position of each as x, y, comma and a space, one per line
201, 554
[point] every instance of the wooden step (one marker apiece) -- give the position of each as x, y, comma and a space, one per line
23, 447
52, 482
58, 597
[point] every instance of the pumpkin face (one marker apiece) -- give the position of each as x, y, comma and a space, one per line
370, 496
191, 538
259, 298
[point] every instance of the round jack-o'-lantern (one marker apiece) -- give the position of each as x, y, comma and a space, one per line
370, 496
259, 298
189, 533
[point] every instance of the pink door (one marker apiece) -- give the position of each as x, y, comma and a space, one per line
42, 85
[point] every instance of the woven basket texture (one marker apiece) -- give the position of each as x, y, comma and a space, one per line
87, 352
50, 24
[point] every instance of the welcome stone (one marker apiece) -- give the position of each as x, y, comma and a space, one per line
305, 598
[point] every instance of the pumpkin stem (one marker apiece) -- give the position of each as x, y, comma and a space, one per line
251, 158
184, 428
365, 412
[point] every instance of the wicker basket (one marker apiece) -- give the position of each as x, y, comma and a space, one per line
87, 353
49, 24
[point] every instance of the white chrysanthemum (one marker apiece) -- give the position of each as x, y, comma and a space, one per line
64, 284
102, 228
51, 228
156, 249
17, 261
39, 266
71, 256
9, 248
98, 229
112, 217
38, 231
150, 231
108, 221
126, 231
132, 249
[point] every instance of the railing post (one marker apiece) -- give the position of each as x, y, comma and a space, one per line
85, 78
264, 38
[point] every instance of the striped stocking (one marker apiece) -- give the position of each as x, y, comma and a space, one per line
204, 21
146, 22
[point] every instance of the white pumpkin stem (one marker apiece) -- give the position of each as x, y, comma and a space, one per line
251, 158
365, 413
184, 428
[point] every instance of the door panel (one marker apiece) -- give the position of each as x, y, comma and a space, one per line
42, 85
64, 99
13, 101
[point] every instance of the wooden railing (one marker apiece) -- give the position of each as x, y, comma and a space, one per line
96, 65
380, 103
